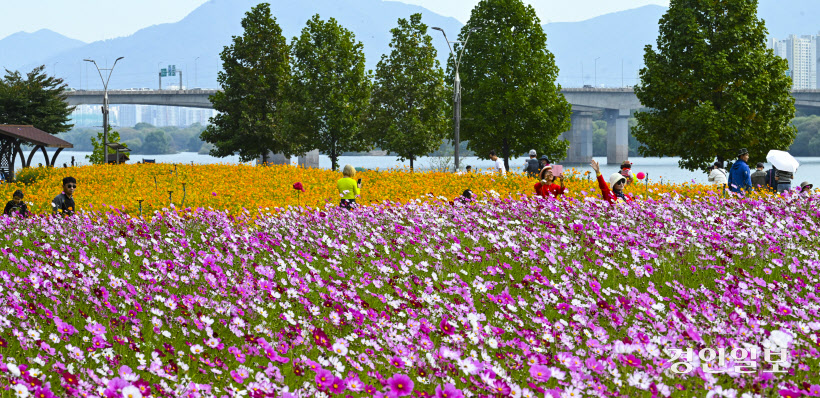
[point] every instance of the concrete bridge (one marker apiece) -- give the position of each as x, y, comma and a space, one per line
617, 105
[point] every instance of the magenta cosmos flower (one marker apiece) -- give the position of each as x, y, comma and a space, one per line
400, 385
449, 391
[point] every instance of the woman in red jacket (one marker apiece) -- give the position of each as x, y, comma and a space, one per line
617, 181
547, 186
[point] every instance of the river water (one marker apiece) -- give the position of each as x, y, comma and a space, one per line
657, 169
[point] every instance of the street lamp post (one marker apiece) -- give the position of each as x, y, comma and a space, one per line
105, 103
596, 71
456, 88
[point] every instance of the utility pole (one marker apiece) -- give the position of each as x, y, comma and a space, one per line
596, 71
180, 80
456, 89
105, 103
196, 83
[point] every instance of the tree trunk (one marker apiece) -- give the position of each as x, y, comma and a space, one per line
265, 158
411, 163
506, 149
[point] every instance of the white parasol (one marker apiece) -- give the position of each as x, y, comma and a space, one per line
782, 161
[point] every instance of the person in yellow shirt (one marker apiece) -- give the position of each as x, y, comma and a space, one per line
349, 188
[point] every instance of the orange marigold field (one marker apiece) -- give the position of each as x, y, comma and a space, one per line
233, 187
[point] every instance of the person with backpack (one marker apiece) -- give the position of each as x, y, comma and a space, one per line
740, 176
759, 177
718, 175
771, 179
531, 165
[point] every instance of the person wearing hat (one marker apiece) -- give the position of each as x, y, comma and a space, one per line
531, 165
740, 176
626, 171
805, 188
718, 175
759, 177
617, 182
547, 186
16, 206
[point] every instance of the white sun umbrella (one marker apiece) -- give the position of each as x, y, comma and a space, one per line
782, 161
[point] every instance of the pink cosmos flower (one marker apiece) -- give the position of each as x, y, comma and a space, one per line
540, 373
324, 378
400, 385
449, 391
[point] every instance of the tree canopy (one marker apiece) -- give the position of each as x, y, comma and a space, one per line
409, 103
256, 72
36, 100
511, 103
330, 90
712, 87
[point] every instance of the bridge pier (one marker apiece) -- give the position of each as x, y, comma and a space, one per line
617, 135
580, 138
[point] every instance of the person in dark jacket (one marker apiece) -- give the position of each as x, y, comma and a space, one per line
531, 166
759, 177
16, 206
64, 202
740, 176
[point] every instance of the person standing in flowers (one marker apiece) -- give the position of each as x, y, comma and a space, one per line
349, 188
718, 175
617, 181
759, 177
531, 165
64, 202
740, 176
16, 206
626, 171
499, 164
547, 187
805, 188
784, 180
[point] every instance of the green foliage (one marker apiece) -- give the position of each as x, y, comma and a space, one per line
511, 103
599, 138
807, 142
156, 143
30, 175
255, 74
96, 156
37, 100
712, 87
409, 102
330, 90
178, 139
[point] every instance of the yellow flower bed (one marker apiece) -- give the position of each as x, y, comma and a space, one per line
234, 187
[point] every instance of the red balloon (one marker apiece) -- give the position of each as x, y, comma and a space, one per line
641, 175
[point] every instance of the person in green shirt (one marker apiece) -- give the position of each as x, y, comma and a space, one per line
349, 188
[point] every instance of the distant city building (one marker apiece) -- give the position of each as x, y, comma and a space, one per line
801, 52
130, 115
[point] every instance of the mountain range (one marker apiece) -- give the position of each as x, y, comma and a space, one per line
606, 50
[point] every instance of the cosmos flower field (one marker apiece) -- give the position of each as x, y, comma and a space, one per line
519, 297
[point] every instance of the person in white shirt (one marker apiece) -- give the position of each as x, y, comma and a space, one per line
718, 175
499, 164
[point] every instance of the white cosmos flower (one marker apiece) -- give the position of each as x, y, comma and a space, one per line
197, 349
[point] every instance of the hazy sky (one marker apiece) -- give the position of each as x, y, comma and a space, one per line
91, 20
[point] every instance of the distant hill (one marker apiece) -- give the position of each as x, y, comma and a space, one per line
205, 31
616, 39
23, 48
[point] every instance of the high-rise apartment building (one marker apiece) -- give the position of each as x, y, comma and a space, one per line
801, 52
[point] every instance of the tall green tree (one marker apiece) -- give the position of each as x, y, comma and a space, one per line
330, 90
409, 101
97, 154
511, 103
252, 103
36, 100
712, 87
